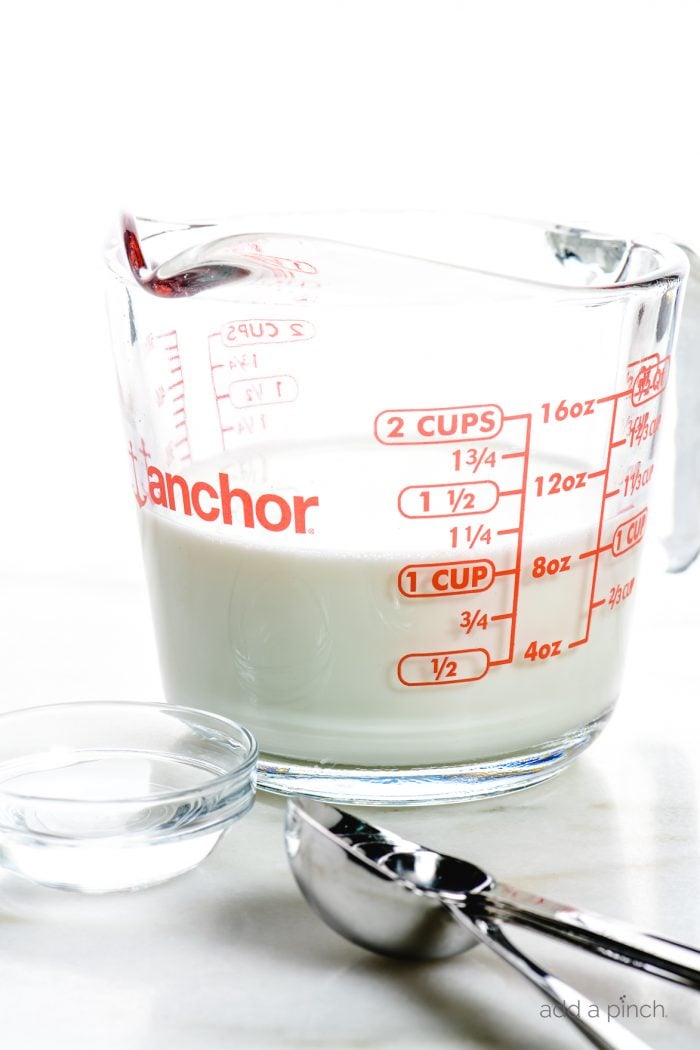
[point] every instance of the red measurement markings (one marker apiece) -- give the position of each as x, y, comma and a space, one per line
473, 619
280, 265
257, 331
542, 566
637, 479
246, 425
265, 390
474, 457
445, 501
619, 593
641, 428
556, 483
542, 650
434, 426
170, 394
596, 553
613, 397
552, 412
251, 393
596, 550
629, 534
443, 668
437, 579
649, 378
217, 371
471, 535
517, 572
241, 360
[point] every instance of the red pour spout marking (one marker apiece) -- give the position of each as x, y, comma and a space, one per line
188, 282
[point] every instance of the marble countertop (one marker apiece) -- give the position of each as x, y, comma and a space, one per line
229, 955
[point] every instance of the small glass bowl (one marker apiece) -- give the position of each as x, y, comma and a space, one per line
99, 795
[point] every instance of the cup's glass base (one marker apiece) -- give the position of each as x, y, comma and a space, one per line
424, 785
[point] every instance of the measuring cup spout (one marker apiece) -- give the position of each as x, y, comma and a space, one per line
184, 282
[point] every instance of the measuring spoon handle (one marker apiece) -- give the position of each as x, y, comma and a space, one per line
603, 1033
609, 938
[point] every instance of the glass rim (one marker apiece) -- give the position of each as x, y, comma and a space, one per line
247, 762
672, 264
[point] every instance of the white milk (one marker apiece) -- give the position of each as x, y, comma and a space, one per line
305, 636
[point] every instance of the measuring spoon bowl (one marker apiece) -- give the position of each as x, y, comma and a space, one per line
436, 880
393, 897
338, 863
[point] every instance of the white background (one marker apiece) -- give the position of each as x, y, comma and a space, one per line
580, 112
583, 112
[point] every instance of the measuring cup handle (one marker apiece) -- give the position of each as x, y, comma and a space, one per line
610, 938
683, 542
603, 1033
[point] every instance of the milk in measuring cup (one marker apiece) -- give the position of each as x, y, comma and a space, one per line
354, 627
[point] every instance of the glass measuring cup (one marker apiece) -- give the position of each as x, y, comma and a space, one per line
392, 474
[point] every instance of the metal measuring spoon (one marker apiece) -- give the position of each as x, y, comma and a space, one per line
395, 897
